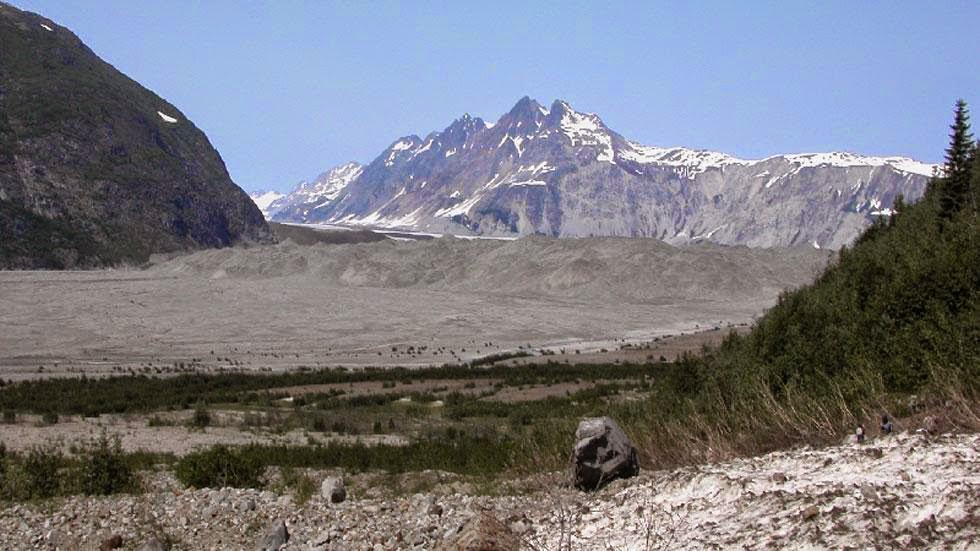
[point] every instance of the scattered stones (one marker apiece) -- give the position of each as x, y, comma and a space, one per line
874, 453
482, 533
778, 477
333, 489
434, 509
152, 544
602, 453
276, 537
829, 504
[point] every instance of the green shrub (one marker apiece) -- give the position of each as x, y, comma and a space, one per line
201, 418
104, 470
218, 467
303, 486
41, 473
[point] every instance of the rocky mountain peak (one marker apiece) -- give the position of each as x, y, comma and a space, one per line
563, 172
525, 113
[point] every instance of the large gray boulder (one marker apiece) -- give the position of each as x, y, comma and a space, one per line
276, 537
333, 490
602, 453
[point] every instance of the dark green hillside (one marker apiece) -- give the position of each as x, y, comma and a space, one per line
898, 314
90, 172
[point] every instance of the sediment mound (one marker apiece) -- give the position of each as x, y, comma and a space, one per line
644, 270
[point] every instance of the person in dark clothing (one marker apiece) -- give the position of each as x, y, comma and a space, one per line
859, 433
886, 425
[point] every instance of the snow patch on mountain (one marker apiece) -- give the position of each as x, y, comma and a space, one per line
563, 172
587, 129
167, 118
845, 159
459, 209
264, 199
692, 161
401, 145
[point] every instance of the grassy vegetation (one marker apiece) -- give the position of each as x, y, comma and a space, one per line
140, 393
897, 314
241, 466
98, 467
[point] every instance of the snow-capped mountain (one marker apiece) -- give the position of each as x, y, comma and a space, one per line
265, 200
561, 172
308, 201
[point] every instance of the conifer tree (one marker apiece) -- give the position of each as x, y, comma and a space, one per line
956, 187
975, 179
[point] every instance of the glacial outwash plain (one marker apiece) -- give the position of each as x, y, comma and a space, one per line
521, 332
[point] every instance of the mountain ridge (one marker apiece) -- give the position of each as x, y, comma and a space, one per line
562, 172
97, 170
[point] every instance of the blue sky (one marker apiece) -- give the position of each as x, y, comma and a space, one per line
286, 89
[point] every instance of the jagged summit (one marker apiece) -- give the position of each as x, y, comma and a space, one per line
563, 172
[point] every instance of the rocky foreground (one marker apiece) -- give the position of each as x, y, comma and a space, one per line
904, 490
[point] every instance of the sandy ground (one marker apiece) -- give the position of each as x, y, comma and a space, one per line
625, 350
286, 306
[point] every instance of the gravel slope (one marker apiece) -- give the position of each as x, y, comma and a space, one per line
909, 491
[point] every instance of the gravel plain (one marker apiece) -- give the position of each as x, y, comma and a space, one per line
286, 306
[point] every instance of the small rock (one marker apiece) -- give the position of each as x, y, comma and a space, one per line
322, 539
778, 477
333, 489
434, 509
276, 537
868, 492
114, 542
482, 533
810, 512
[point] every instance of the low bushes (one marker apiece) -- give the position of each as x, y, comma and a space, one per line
97, 468
218, 467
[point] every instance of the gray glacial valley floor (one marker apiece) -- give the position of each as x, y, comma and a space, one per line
285, 306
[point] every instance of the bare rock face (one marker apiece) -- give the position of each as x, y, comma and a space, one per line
276, 537
602, 454
482, 533
564, 173
96, 169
